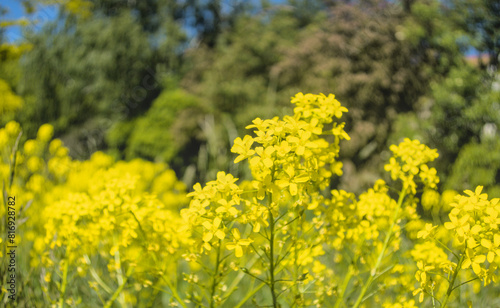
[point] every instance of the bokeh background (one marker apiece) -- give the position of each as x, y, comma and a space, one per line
176, 81
149, 95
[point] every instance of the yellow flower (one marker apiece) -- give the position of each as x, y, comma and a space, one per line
493, 247
30, 147
476, 195
426, 232
461, 226
45, 132
54, 146
243, 147
13, 128
338, 130
225, 182
446, 199
34, 164
226, 207
430, 199
474, 221
237, 244
213, 229
474, 260
410, 159
422, 277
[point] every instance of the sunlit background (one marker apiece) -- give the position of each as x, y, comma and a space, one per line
148, 96
177, 81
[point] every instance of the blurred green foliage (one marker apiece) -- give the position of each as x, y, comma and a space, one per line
95, 69
10, 100
153, 135
176, 81
478, 162
463, 103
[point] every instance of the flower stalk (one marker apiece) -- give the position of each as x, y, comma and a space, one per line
388, 236
215, 279
272, 282
452, 282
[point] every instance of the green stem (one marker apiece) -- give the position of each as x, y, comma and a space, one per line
119, 290
214, 278
452, 282
249, 295
153, 296
96, 276
64, 281
174, 292
277, 270
466, 282
12, 164
298, 295
446, 247
433, 299
388, 236
347, 278
173, 288
272, 282
119, 276
236, 282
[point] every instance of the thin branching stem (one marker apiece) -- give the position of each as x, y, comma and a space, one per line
340, 300
452, 282
388, 236
465, 282
272, 282
215, 279
250, 294
252, 275
446, 247
14, 159
173, 291
64, 281
119, 290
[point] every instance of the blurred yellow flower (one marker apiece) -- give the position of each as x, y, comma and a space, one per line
45, 133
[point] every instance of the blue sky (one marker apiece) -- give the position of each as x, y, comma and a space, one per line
47, 13
42, 14
16, 11
15, 8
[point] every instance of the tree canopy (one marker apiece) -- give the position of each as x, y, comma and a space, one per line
171, 80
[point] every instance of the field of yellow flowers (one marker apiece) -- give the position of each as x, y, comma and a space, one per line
105, 233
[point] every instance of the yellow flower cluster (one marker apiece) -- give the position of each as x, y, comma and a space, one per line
358, 224
33, 168
9, 101
401, 303
105, 212
291, 154
123, 231
368, 227
37, 160
212, 208
474, 230
475, 221
85, 214
409, 160
429, 258
291, 159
